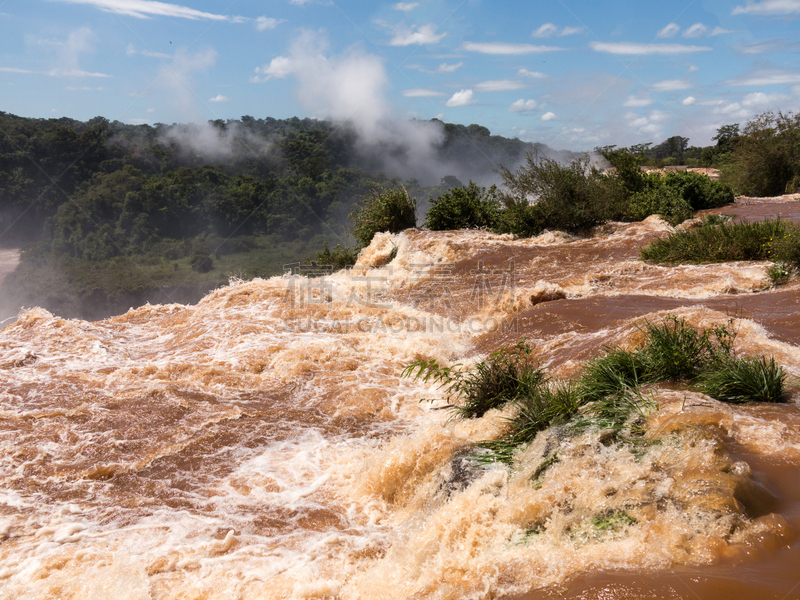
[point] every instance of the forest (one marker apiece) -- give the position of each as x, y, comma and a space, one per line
111, 215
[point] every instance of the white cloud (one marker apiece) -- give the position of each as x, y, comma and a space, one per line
425, 34
695, 31
421, 93
635, 101
669, 31
671, 85
692, 69
549, 116
279, 67
502, 85
719, 31
445, 68
16, 70
503, 48
689, 101
521, 106
265, 23
761, 101
219, 98
405, 6
545, 31
143, 9
763, 77
531, 74
631, 48
549, 30
461, 98
769, 7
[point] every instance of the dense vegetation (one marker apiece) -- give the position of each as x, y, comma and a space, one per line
546, 194
608, 393
111, 214
716, 240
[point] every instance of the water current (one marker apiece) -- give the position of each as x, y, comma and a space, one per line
263, 444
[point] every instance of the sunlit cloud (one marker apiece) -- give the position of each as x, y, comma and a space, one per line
504, 48
689, 101
695, 31
421, 93
425, 34
144, 9
405, 6
636, 101
279, 67
631, 48
445, 68
549, 30
669, 31
219, 98
461, 98
17, 70
769, 7
502, 85
766, 77
546, 30
549, 116
530, 74
671, 85
265, 23
521, 106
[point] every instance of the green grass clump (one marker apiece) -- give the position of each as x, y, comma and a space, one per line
608, 394
740, 380
767, 240
506, 375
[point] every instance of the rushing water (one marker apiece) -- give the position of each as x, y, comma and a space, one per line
262, 443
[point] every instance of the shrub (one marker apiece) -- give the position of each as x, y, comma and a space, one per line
340, 257
766, 157
548, 195
385, 209
468, 207
697, 190
202, 263
660, 200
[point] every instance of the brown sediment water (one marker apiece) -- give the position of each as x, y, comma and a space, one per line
263, 444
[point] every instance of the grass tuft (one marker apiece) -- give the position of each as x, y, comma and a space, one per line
774, 240
739, 380
505, 375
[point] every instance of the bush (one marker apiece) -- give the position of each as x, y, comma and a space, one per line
766, 157
385, 209
660, 200
202, 263
340, 257
697, 190
544, 194
468, 207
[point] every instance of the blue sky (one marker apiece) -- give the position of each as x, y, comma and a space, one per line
568, 73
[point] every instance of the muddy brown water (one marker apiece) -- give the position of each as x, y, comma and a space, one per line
263, 443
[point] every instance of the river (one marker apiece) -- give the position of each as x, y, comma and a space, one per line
263, 444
